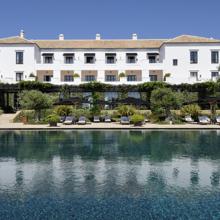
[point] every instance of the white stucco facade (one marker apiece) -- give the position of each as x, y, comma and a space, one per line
156, 59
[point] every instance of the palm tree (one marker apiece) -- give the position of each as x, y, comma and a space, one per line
126, 110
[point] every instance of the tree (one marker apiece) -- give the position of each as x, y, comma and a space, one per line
163, 100
95, 109
35, 100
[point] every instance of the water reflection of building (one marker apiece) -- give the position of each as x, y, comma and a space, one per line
85, 175
98, 160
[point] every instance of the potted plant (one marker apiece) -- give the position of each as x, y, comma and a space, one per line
122, 77
166, 76
31, 77
53, 119
76, 77
137, 119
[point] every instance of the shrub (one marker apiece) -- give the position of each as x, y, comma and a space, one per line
35, 100
75, 75
1, 111
121, 75
137, 119
53, 119
64, 110
146, 113
31, 75
95, 110
194, 110
81, 112
25, 116
176, 118
35, 85
29, 116
126, 110
163, 100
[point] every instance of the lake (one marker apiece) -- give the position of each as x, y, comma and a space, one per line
110, 174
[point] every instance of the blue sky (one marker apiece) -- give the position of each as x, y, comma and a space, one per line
111, 18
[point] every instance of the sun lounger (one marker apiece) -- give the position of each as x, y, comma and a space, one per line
188, 119
82, 120
62, 118
125, 120
68, 120
146, 120
96, 119
107, 118
217, 119
204, 120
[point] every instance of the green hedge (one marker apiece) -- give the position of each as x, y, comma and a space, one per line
203, 88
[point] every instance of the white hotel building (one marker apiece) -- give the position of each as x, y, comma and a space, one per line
187, 59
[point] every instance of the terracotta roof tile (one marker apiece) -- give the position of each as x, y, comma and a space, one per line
192, 39
99, 44
107, 44
14, 40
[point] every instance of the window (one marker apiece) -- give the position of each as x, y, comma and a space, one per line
131, 57
89, 58
175, 62
110, 78
47, 78
214, 57
68, 78
68, 58
135, 95
131, 78
89, 78
153, 57
194, 75
110, 58
48, 57
153, 78
19, 76
19, 57
215, 74
109, 96
193, 57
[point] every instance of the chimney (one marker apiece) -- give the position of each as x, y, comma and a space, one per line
61, 37
98, 37
21, 34
134, 37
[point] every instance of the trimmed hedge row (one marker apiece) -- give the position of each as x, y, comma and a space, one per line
209, 86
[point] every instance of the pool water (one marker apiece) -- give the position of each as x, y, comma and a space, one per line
110, 174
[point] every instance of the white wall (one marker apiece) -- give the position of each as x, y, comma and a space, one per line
8, 66
100, 65
179, 74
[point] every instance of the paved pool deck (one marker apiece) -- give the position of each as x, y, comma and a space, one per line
6, 123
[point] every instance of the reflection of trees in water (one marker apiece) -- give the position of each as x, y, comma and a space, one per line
19, 176
83, 149
157, 145
156, 180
